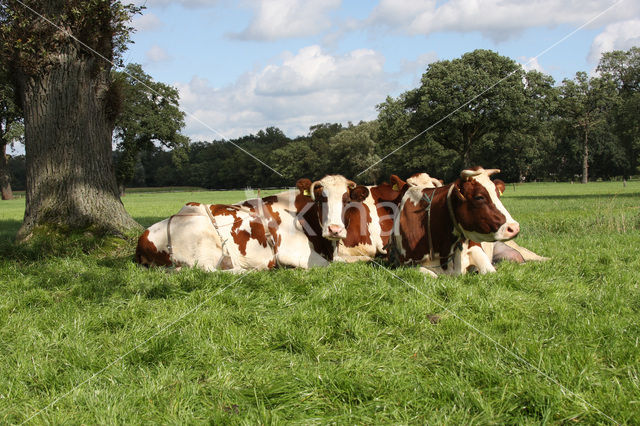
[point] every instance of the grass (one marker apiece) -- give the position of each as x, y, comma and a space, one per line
343, 344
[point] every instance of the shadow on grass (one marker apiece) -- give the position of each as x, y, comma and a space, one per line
147, 221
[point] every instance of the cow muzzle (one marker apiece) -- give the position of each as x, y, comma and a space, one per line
335, 232
508, 231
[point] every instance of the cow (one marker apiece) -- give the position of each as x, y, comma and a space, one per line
496, 251
370, 223
435, 225
294, 228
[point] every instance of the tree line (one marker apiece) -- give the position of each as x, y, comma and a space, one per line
482, 108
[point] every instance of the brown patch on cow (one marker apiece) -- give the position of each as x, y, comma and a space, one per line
356, 224
241, 239
474, 244
193, 203
148, 254
257, 232
414, 228
271, 264
384, 193
223, 210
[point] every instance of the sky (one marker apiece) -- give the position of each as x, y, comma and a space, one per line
242, 66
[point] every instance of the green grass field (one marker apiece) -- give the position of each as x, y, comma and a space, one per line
87, 337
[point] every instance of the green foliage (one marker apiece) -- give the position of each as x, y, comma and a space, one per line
622, 68
29, 43
150, 114
344, 344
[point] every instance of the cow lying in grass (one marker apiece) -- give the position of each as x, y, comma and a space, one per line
435, 226
369, 228
497, 251
294, 228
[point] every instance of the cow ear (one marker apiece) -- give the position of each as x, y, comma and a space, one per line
397, 183
500, 186
359, 193
303, 186
458, 194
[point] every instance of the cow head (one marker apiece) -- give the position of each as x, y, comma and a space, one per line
478, 208
333, 193
424, 180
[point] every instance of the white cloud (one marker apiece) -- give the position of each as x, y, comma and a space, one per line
278, 19
496, 19
157, 54
147, 22
307, 88
618, 36
530, 64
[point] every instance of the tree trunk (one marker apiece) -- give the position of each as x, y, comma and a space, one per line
68, 128
5, 179
585, 158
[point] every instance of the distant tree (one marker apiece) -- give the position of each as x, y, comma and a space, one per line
622, 68
11, 129
466, 99
69, 106
353, 150
584, 103
150, 115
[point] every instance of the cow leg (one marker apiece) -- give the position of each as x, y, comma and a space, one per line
479, 259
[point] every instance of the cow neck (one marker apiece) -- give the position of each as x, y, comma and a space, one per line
456, 226
452, 214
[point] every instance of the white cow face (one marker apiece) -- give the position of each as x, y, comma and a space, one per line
333, 193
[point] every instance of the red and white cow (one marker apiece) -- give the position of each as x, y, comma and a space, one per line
369, 224
435, 225
496, 251
297, 228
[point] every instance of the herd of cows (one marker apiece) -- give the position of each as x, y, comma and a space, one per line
443, 229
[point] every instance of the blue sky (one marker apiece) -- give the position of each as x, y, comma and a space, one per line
243, 66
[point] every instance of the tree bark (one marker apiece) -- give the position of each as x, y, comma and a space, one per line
5, 179
70, 177
585, 158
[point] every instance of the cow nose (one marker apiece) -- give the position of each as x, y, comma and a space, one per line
335, 229
512, 230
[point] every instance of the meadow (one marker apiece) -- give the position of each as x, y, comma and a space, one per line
88, 337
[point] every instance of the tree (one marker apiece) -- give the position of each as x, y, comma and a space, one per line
583, 105
466, 99
11, 129
353, 150
150, 114
622, 68
61, 61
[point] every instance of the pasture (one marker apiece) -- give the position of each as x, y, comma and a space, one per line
88, 337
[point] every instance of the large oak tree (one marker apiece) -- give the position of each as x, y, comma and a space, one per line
61, 54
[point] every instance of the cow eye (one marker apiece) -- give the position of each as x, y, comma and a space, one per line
478, 198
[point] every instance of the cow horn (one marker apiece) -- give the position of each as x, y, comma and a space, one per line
492, 171
467, 174
351, 184
312, 189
